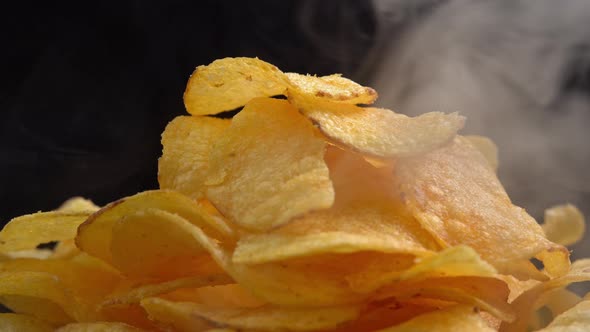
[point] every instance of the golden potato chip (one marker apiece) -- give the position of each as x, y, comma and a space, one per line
136, 294
268, 156
220, 296
564, 224
147, 243
576, 319
379, 132
457, 197
65, 249
333, 87
487, 147
78, 204
131, 314
37, 294
229, 83
535, 297
262, 318
452, 319
487, 293
186, 143
18, 323
95, 235
28, 253
455, 261
98, 327
30, 230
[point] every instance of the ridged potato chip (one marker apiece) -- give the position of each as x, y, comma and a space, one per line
379, 132
230, 83
266, 318
186, 143
269, 155
95, 235
17, 323
452, 319
333, 87
456, 196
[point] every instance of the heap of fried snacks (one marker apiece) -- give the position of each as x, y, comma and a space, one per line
301, 213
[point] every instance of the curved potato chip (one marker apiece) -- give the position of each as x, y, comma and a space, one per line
268, 156
576, 319
333, 87
262, 318
535, 297
152, 243
456, 196
564, 224
98, 327
78, 204
451, 262
487, 147
186, 143
229, 83
17, 322
28, 231
452, 319
95, 235
379, 132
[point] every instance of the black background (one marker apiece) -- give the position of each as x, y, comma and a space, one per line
86, 91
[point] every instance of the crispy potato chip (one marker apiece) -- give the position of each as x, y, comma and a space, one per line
487, 147
455, 194
95, 235
379, 132
262, 318
38, 294
98, 327
487, 293
132, 314
65, 249
229, 83
268, 156
564, 224
333, 87
535, 297
147, 243
30, 230
29, 253
451, 262
19, 323
452, 319
78, 204
135, 295
222, 296
576, 319
185, 156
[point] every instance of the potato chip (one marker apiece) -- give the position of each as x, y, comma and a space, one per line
457, 197
78, 204
186, 143
535, 297
486, 147
263, 318
95, 235
573, 320
155, 243
269, 155
38, 294
28, 253
98, 327
18, 323
564, 224
452, 319
333, 87
30, 230
220, 296
230, 83
379, 132
455, 261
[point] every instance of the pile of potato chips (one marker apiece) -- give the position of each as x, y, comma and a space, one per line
307, 211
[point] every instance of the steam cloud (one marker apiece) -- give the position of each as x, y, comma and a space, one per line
519, 70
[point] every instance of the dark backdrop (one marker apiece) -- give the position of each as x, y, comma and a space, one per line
86, 91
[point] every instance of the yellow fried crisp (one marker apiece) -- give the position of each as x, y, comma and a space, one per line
333, 87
